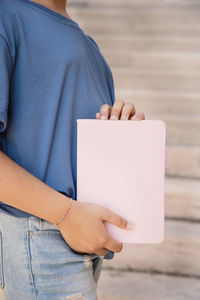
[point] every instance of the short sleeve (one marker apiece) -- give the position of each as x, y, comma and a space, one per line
5, 72
93, 41
111, 85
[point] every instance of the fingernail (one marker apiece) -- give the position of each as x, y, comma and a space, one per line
102, 117
134, 118
124, 118
130, 225
113, 117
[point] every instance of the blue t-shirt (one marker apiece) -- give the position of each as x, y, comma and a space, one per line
51, 74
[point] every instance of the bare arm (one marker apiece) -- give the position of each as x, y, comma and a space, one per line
83, 228
20, 189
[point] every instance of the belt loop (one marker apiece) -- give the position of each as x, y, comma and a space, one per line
34, 223
41, 225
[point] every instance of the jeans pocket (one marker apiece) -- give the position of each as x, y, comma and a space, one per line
51, 241
48, 228
1, 262
56, 269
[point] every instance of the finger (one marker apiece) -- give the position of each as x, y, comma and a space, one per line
98, 115
112, 244
138, 116
116, 109
128, 111
105, 112
108, 242
101, 252
113, 218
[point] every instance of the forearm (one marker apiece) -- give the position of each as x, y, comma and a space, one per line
20, 189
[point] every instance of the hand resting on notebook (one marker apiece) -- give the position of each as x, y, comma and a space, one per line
84, 231
119, 111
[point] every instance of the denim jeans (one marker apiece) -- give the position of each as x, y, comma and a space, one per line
36, 263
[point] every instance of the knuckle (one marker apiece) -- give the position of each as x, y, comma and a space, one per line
115, 111
122, 222
120, 101
129, 104
102, 241
91, 250
104, 108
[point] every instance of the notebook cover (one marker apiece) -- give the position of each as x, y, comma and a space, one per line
121, 165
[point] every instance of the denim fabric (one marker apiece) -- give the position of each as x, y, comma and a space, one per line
36, 263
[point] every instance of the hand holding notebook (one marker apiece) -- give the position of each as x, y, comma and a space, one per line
121, 165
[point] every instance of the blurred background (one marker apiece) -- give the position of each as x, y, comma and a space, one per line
153, 50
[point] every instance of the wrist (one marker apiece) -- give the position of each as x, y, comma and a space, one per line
64, 215
58, 208
69, 216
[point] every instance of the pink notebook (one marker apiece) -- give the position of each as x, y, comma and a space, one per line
121, 165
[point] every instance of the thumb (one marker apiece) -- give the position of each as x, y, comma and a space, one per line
116, 220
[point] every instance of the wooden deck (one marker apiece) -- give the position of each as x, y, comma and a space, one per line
153, 49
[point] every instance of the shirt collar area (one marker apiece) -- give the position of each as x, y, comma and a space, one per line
51, 12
